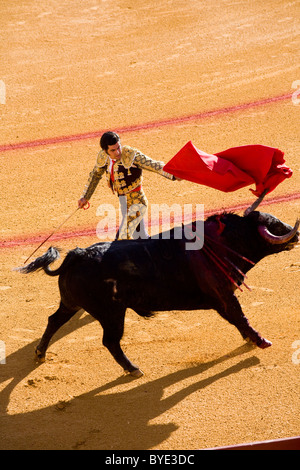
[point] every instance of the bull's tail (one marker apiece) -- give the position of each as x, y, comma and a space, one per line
43, 262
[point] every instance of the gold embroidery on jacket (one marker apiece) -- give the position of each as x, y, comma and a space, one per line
133, 161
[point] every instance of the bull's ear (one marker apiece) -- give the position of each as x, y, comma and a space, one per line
261, 218
257, 217
254, 215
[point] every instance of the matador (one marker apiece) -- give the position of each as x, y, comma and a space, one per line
123, 166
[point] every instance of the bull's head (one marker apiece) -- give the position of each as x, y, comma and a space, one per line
272, 230
278, 235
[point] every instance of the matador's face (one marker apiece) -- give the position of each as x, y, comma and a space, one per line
115, 151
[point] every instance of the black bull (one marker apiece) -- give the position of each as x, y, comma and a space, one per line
161, 275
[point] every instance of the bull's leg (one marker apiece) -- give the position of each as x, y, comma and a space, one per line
113, 330
232, 312
55, 321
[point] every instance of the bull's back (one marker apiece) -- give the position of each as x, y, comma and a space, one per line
151, 275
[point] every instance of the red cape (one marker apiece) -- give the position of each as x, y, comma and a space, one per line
231, 169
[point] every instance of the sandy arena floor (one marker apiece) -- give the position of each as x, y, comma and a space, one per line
221, 74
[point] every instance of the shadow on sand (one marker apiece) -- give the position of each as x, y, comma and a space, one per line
104, 419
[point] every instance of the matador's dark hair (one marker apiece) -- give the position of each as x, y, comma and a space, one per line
108, 138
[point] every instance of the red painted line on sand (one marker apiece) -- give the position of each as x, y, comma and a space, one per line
91, 231
139, 127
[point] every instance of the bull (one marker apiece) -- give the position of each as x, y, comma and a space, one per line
160, 274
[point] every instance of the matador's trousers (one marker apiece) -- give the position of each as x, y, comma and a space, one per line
133, 209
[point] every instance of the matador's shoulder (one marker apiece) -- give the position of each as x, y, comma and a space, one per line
128, 155
102, 159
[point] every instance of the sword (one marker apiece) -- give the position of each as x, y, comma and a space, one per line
55, 230
256, 203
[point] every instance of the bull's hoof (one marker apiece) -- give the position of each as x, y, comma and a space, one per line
261, 343
137, 373
264, 344
39, 356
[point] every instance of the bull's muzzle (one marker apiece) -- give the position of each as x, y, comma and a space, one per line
279, 239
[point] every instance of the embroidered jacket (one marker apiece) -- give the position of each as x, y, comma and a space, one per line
125, 175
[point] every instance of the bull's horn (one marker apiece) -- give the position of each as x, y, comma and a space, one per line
275, 239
